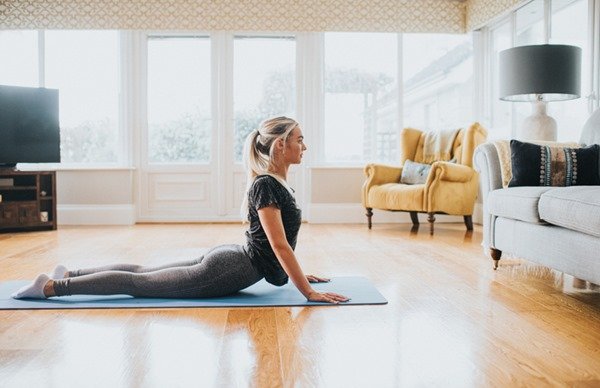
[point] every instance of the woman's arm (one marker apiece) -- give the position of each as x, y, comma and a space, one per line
270, 219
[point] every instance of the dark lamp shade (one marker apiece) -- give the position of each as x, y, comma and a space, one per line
552, 72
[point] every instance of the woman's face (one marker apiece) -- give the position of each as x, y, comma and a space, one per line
294, 147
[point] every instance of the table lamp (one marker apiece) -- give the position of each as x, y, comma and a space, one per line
540, 73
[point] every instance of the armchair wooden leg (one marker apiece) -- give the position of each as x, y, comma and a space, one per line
496, 254
414, 217
431, 219
468, 222
369, 215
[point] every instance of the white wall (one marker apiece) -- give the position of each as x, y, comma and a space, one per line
91, 197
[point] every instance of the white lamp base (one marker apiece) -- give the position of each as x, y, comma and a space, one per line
538, 126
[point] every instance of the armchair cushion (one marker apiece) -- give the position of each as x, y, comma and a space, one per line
414, 173
397, 196
544, 165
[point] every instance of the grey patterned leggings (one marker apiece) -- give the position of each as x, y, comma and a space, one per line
221, 271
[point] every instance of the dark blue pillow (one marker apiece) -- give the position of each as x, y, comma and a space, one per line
543, 165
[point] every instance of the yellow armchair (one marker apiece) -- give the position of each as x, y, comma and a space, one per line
450, 188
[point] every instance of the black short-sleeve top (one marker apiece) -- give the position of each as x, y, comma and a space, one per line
266, 191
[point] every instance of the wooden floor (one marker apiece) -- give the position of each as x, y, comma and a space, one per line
451, 320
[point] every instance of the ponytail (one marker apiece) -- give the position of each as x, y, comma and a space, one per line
259, 149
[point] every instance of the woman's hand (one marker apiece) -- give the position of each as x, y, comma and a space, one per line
316, 279
327, 297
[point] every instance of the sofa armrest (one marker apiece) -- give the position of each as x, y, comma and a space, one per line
379, 174
487, 163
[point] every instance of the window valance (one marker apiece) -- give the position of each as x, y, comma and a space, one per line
252, 15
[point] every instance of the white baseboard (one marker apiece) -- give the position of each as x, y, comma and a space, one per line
354, 213
191, 219
96, 214
318, 213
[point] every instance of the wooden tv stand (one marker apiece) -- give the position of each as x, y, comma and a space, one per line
26, 198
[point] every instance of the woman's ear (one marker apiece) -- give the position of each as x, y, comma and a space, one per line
280, 143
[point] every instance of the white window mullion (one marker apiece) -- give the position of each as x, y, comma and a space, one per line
591, 66
513, 111
488, 76
400, 88
547, 20
127, 62
499, 36
142, 107
136, 121
310, 92
222, 97
140, 128
479, 76
41, 58
594, 10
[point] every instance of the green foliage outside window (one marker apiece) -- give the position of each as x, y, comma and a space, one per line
186, 139
89, 142
278, 97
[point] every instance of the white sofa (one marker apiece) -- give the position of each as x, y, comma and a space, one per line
558, 227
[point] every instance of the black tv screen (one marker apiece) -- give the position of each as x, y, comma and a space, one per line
29, 125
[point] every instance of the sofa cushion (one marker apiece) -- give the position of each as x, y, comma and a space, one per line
575, 208
545, 165
518, 203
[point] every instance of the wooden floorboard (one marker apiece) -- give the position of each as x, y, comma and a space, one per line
451, 320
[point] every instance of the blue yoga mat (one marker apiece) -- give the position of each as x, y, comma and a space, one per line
261, 294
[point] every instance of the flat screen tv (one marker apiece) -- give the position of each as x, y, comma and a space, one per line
29, 126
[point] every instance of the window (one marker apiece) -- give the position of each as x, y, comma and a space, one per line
438, 81
84, 67
570, 26
19, 53
530, 24
264, 83
361, 103
179, 99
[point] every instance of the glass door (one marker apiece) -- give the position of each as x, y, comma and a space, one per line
177, 167
204, 94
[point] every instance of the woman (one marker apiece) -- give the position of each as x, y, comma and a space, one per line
274, 220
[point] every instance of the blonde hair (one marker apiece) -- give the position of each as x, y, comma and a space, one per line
259, 150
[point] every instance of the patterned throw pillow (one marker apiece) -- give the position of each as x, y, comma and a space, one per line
545, 165
414, 173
